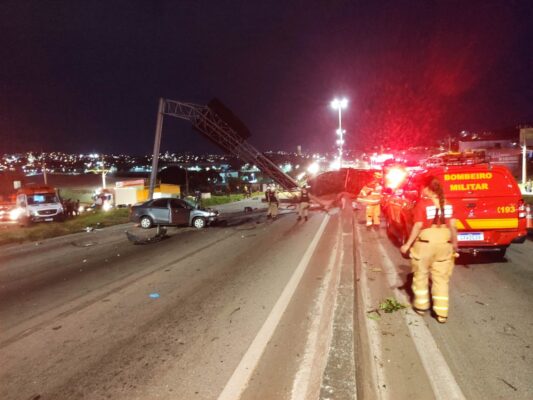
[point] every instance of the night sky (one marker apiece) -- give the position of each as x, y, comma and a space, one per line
85, 76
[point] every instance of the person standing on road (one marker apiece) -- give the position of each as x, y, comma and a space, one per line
198, 198
370, 195
246, 192
273, 203
303, 204
434, 247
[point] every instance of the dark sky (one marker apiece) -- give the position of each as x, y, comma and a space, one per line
82, 76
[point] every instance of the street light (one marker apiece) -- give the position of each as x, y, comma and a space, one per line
340, 104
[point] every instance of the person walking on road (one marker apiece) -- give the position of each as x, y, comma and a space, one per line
303, 204
273, 203
370, 195
433, 244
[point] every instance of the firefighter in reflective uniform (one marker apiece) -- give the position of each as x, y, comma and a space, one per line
273, 203
434, 247
370, 195
303, 205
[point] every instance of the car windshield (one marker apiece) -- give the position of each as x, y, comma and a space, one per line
42, 198
190, 203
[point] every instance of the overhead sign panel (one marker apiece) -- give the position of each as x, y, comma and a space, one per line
225, 114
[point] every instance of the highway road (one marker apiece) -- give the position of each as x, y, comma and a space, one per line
256, 309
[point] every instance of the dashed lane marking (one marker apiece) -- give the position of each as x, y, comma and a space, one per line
242, 374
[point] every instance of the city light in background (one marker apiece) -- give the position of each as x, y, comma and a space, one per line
340, 104
313, 168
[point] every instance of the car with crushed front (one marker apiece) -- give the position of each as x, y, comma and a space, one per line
171, 211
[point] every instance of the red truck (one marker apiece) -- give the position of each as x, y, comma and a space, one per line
487, 204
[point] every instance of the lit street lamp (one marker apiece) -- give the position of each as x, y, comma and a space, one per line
337, 104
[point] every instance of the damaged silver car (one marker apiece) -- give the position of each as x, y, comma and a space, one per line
171, 211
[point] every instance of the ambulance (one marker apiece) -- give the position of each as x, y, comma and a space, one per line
38, 204
488, 207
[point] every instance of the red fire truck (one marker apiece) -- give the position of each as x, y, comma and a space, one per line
487, 204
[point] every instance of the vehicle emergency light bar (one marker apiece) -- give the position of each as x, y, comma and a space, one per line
218, 130
452, 158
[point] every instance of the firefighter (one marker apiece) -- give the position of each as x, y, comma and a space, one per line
273, 203
433, 244
370, 195
303, 204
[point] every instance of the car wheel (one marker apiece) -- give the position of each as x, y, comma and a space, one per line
199, 223
146, 222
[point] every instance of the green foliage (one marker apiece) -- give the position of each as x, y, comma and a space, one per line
83, 195
217, 200
390, 305
45, 230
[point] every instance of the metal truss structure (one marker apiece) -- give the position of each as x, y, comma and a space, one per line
208, 123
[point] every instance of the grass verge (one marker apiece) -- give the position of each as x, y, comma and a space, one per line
45, 230
218, 200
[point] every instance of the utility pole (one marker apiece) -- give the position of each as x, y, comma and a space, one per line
524, 162
525, 135
186, 180
44, 174
104, 172
157, 145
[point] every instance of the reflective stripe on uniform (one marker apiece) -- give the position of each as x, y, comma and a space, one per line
440, 297
440, 308
421, 291
431, 210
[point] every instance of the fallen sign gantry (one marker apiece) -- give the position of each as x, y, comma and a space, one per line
223, 128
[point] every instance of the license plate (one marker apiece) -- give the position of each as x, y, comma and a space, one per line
470, 236
48, 219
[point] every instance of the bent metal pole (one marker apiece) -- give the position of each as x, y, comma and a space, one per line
157, 145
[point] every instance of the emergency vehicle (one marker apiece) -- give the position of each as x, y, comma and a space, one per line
38, 204
488, 207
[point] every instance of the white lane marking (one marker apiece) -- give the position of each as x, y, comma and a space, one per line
372, 328
242, 374
313, 364
442, 381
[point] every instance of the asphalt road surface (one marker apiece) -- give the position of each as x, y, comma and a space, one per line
256, 309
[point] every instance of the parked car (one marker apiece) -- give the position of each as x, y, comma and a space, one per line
171, 211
